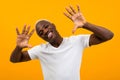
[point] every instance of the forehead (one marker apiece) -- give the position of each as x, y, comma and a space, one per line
40, 24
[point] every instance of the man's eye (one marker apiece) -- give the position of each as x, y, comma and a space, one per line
46, 26
40, 32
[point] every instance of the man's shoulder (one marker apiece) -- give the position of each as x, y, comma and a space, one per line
38, 46
74, 36
78, 37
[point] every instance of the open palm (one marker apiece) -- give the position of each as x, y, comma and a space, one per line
23, 38
76, 17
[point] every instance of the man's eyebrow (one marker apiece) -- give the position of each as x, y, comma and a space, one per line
43, 26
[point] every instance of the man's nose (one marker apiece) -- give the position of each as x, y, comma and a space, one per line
45, 31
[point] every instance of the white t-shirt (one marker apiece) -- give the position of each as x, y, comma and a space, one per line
62, 63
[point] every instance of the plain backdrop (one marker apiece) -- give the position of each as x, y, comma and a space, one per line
99, 62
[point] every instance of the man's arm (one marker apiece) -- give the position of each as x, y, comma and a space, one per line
99, 35
22, 42
19, 56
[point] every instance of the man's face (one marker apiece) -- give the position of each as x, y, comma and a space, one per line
46, 31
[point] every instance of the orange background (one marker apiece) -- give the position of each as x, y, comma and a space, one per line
100, 62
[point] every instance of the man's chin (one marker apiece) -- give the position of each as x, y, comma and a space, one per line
51, 40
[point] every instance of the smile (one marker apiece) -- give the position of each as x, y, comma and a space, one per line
50, 34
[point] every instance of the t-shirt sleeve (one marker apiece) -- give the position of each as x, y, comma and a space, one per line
82, 40
34, 52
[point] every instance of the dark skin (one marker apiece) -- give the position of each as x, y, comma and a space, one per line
43, 28
47, 31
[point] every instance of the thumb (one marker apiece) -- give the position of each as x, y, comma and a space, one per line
74, 29
29, 46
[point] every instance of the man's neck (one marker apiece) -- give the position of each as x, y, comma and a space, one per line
57, 42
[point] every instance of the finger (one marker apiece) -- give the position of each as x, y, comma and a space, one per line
74, 29
27, 31
24, 28
30, 34
67, 16
17, 31
73, 10
69, 11
78, 7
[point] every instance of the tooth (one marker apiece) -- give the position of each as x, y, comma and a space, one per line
50, 34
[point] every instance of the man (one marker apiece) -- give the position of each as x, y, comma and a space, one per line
60, 57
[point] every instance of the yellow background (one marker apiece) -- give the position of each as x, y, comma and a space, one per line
100, 62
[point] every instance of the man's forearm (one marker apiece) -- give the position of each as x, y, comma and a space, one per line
100, 32
16, 54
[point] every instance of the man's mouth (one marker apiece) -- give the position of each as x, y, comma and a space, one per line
50, 34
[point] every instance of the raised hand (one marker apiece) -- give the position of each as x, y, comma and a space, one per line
76, 17
23, 38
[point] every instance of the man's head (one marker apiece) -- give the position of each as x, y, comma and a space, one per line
46, 30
